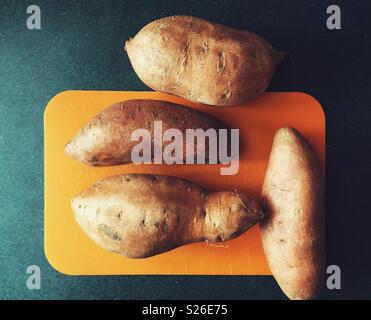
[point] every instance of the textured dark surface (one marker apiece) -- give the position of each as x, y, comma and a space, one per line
80, 47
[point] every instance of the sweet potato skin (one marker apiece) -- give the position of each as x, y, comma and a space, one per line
293, 230
139, 215
106, 139
202, 61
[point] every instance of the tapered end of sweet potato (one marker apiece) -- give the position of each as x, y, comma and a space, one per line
127, 43
69, 149
72, 150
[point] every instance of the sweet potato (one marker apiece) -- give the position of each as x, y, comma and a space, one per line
202, 61
106, 139
138, 215
293, 230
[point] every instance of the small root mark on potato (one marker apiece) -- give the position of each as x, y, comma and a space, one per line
97, 186
250, 211
119, 215
225, 96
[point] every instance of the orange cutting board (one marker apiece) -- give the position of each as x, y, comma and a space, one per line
71, 252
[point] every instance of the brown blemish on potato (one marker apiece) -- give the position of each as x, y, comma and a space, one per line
186, 51
108, 232
225, 96
119, 215
205, 48
94, 159
221, 62
281, 188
